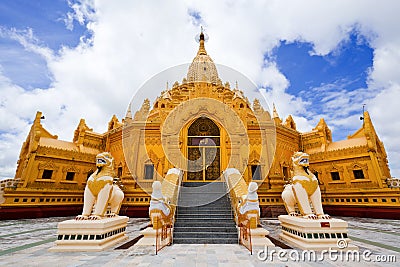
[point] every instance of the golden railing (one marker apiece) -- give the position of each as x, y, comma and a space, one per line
164, 225
163, 236
245, 235
237, 188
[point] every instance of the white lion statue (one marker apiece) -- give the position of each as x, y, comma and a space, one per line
303, 189
100, 191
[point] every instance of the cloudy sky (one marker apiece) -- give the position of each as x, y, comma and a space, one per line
313, 59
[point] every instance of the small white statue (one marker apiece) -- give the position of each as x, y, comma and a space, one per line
100, 191
303, 189
250, 201
158, 201
249, 207
159, 205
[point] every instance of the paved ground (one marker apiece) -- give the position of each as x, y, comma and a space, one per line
26, 243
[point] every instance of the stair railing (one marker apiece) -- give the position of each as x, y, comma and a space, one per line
163, 235
237, 188
164, 225
230, 199
245, 235
177, 201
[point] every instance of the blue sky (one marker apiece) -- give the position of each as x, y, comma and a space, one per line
345, 68
350, 61
313, 59
46, 20
45, 17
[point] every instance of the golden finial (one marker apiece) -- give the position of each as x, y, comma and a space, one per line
274, 112
201, 39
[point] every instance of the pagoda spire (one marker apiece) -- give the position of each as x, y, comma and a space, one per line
202, 68
274, 112
369, 131
202, 49
275, 115
129, 113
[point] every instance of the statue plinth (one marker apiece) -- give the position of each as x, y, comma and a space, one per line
318, 234
90, 235
259, 238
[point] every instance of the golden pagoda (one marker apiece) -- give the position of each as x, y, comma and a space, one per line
182, 128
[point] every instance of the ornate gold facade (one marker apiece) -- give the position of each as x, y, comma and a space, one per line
199, 117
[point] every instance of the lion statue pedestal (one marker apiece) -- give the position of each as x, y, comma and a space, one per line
96, 229
309, 228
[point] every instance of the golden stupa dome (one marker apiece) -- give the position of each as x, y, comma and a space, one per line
202, 68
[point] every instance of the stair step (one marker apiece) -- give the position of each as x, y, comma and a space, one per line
201, 203
204, 208
211, 207
213, 197
205, 189
206, 241
194, 203
203, 224
208, 197
204, 221
181, 229
204, 202
199, 184
205, 235
203, 197
207, 207
216, 219
205, 217
197, 213
209, 191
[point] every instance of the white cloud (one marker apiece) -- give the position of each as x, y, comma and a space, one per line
83, 13
384, 111
28, 40
130, 41
386, 60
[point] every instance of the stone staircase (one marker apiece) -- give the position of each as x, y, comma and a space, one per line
204, 215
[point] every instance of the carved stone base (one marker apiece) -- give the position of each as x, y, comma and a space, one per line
90, 235
316, 235
149, 237
259, 239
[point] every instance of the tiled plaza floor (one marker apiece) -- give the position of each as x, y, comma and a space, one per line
26, 243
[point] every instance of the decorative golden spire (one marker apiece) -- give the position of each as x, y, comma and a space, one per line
274, 112
38, 117
275, 115
202, 49
128, 115
202, 68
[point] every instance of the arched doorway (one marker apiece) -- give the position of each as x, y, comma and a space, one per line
203, 151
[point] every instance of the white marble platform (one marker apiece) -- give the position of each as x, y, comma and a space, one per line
319, 234
90, 235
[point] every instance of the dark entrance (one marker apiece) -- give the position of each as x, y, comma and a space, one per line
203, 150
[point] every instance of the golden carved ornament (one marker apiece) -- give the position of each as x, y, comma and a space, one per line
95, 186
